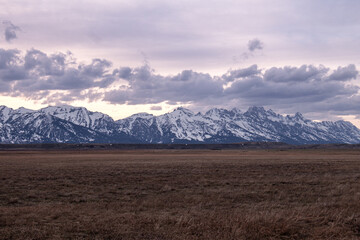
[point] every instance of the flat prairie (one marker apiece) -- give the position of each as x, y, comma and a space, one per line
180, 194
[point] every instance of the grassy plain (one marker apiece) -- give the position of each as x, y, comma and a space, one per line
180, 194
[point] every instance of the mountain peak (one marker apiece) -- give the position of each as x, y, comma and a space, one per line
23, 110
212, 111
64, 107
218, 113
2, 107
256, 111
184, 110
181, 108
299, 116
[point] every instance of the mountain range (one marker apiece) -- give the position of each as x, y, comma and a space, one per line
68, 124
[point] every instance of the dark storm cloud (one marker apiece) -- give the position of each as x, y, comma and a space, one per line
10, 30
255, 44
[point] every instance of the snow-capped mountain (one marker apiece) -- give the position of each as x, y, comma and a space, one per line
78, 125
58, 125
225, 126
42, 127
81, 116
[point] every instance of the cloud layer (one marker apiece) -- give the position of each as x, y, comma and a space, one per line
37, 75
178, 35
61, 78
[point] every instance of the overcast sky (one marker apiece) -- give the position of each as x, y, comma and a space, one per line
122, 57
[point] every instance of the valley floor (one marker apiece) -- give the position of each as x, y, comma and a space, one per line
180, 194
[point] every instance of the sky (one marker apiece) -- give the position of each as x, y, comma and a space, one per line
123, 57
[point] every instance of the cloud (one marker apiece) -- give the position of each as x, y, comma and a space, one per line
10, 68
10, 31
255, 44
145, 87
344, 73
156, 108
39, 71
178, 36
252, 46
232, 75
59, 77
292, 74
307, 88
37, 74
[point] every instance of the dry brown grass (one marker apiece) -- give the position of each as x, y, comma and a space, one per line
180, 194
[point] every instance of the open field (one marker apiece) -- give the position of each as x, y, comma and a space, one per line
180, 194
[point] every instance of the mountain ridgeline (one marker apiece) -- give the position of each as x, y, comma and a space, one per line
67, 124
